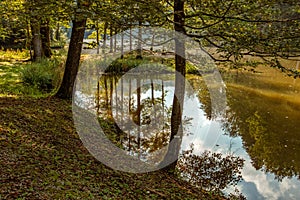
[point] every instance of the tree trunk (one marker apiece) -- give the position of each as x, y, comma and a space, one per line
115, 41
106, 95
29, 41
139, 47
122, 45
138, 120
178, 99
57, 32
104, 37
130, 38
66, 89
36, 40
110, 97
111, 38
97, 37
46, 40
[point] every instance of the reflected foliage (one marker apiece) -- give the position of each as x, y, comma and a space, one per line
144, 107
211, 171
263, 110
203, 94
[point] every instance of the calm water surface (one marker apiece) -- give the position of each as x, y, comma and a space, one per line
261, 123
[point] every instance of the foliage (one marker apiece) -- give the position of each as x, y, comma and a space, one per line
12, 26
211, 171
162, 64
130, 62
236, 29
43, 75
13, 56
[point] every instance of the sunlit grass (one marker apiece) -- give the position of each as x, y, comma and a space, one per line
14, 71
11, 55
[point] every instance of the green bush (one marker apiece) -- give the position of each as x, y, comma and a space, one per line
42, 75
124, 65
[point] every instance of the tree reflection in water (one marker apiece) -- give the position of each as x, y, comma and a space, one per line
262, 117
211, 171
147, 105
265, 114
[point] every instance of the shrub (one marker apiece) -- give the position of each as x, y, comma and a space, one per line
42, 75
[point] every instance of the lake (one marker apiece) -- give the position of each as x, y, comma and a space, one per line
260, 124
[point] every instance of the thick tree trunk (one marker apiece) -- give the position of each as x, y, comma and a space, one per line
46, 40
72, 64
36, 40
178, 99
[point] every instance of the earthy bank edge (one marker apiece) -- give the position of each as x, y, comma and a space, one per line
42, 157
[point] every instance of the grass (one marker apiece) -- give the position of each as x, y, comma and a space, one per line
155, 62
42, 156
13, 56
130, 62
10, 68
18, 77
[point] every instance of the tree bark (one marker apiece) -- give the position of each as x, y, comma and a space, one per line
115, 41
72, 64
130, 38
105, 35
111, 38
97, 37
29, 41
178, 99
122, 45
138, 113
36, 40
57, 32
46, 40
139, 46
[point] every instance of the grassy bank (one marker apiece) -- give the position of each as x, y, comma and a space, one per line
42, 156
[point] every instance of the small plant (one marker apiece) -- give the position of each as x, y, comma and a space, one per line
42, 75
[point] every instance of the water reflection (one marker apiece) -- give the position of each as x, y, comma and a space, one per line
261, 124
141, 109
264, 114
